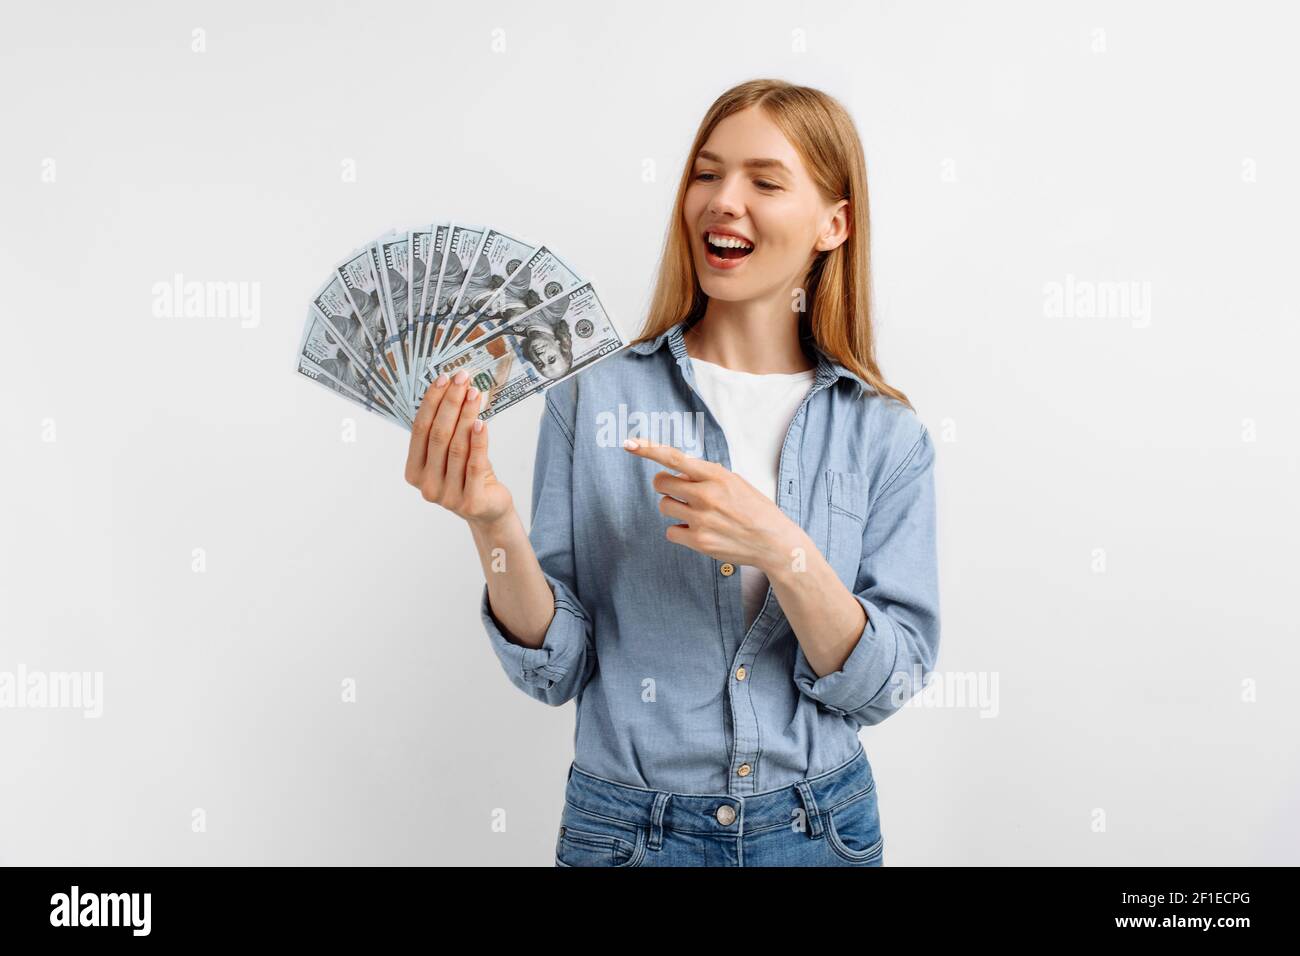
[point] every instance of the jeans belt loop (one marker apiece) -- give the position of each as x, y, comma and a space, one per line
657, 819
814, 821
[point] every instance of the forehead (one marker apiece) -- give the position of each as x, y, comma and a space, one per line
751, 134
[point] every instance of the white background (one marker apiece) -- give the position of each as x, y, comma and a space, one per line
1009, 146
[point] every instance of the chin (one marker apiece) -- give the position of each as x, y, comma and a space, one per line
723, 291
724, 288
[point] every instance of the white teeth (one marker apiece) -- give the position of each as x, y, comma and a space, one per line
729, 242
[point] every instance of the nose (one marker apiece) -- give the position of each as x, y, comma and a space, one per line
725, 199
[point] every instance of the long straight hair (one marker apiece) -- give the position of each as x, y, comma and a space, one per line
838, 289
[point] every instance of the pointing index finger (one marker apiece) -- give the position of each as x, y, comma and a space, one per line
674, 458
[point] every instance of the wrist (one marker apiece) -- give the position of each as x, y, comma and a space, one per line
495, 528
790, 553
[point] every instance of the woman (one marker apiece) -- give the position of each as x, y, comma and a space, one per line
718, 712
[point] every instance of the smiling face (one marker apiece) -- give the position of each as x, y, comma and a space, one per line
748, 181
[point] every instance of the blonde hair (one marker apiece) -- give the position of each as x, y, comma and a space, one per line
839, 281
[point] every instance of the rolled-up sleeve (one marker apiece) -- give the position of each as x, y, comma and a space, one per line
557, 671
898, 587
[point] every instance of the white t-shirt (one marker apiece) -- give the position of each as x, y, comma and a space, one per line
754, 412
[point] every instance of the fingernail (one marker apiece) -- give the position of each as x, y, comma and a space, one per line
629, 443
478, 424
461, 377
441, 380
471, 394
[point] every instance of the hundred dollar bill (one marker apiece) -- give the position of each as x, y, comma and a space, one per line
326, 345
542, 277
361, 282
433, 251
323, 359
461, 248
498, 258
395, 280
394, 339
309, 369
335, 306
421, 257
547, 344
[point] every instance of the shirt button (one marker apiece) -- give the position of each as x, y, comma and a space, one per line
740, 673
744, 770
726, 815
727, 569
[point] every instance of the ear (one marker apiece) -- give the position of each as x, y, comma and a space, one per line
836, 229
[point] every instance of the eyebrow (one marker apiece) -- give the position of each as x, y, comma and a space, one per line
749, 163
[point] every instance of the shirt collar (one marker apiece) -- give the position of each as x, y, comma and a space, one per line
828, 368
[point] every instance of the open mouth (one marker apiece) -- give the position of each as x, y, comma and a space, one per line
727, 247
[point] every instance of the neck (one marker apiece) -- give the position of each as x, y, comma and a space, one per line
761, 337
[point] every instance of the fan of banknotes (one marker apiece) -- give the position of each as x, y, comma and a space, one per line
399, 311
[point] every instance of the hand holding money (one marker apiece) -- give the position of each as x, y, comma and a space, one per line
448, 455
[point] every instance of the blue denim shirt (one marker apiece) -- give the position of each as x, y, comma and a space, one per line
648, 635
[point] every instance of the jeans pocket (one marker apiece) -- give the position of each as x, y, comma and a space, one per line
853, 829
586, 839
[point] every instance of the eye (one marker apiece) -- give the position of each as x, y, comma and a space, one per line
701, 176
764, 184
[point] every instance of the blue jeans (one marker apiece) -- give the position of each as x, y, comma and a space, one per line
831, 819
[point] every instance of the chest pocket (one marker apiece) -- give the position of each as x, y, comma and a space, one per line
846, 505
